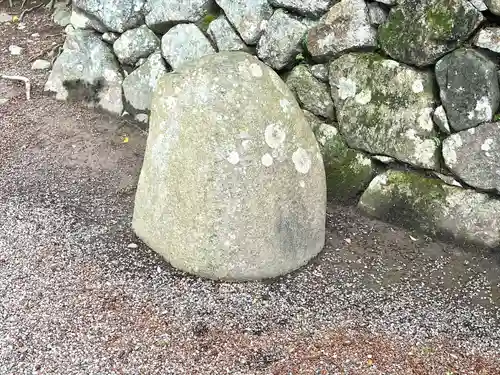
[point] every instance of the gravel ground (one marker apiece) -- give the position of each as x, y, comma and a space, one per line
77, 298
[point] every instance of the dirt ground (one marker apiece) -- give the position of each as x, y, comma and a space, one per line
76, 298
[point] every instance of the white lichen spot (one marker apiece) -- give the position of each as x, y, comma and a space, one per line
233, 158
347, 88
285, 105
256, 70
486, 146
301, 160
363, 160
471, 131
450, 146
302, 184
390, 64
425, 119
417, 86
274, 136
364, 97
267, 160
246, 144
325, 133
483, 109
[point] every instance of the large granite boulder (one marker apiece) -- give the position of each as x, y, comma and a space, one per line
468, 83
139, 85
474, 156
116, 15
419, 32
247, 16
233, 184
87, 70
345, 27
384, 107
433, 207
161, 15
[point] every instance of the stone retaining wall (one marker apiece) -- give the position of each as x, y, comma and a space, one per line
402, 98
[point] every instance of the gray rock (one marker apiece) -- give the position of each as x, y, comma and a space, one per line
479, 5
377, 14
419, 33
224, 36
247, 16
310, 8
281, 41
80, 20
115, 15
473, 156
345, 27
161, 15
449, 180
139, 85
62, 16
469, 90
320, 71
311, 93
87, 69
110, 37
493, 6
15, 50
348, 172
384, 107
441, 120
433, 207
134, 44
384, 159
40, 64
488, 38
183, 43
252, 200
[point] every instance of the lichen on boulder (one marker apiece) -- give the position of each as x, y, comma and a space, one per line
431, 206
384, 107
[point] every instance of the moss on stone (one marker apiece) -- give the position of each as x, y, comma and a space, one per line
440, 18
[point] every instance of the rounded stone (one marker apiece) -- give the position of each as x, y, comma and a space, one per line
211, 199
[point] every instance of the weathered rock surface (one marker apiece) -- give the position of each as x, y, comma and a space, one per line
377, 14
110, 37
310, 8
313, 94
247, 16
469, 90
116, 15
252, 200
345, 27
320, 71
161, 15
431, 206
80, 20
282, 40
134, 44
62, 16
420, 32
224, 36
441, 120
488, 38
139, 85
183, 43
40, 64
479, 5
384, 107
87, 70
474, 154
493, 6
348, 172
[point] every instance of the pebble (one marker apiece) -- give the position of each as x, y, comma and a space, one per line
41, 65
15, 50
4, 17
132, 246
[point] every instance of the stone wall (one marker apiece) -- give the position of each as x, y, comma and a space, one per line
402, 95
